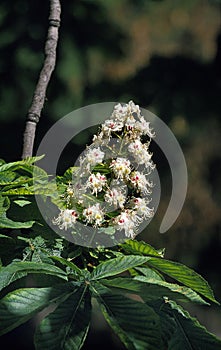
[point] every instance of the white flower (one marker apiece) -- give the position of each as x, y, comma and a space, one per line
133, 109
126, 221
128, 163
121, 168
140, 204
92, 157
93, 215
66, 219
96, 182
140, 182
140, 153
130, 122
112, 125
143, 127
119, 112
115, 197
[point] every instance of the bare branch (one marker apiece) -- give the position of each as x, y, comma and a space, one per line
38, 100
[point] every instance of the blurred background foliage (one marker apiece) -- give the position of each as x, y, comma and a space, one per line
166, 56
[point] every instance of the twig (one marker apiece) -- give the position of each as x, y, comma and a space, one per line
38, 100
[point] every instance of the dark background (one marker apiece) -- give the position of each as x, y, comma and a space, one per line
166, 56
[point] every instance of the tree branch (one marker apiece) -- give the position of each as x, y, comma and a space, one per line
38, 100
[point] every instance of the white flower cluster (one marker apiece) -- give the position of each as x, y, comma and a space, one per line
111, 187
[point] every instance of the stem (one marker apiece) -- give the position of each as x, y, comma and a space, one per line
38, 100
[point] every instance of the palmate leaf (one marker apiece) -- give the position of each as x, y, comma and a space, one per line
137, 326
17, 270
66, 328
117, 265
152, 290
22, 304
184, 275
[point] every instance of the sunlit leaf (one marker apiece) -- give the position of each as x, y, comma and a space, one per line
141, 248
117, 265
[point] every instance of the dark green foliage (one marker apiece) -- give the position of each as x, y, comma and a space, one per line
129, 281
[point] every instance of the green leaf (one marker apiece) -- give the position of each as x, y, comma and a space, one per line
168, 324
117, 265
72, 266
107, 230
190, 335
4, 236
181, 331
137, 326
150, 273
152, 290
16, 165
20, 305
141, 248
66, 327
22, 202
184, 275
45, 190
7, 177
185, 292
68, 175
17, 270
4, 205
8, 223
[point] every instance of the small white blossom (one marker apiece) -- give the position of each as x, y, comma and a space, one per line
93, 215
69, 194
132, 108
140, 153
140, 182
126, 221
115, 197
143, 127
66, 219
137, 147
121, 168
119, 112
140, 204
122, 112
130, 122
92, 157
112, 125
96, 183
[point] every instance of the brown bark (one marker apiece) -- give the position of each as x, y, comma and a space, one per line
38, 100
